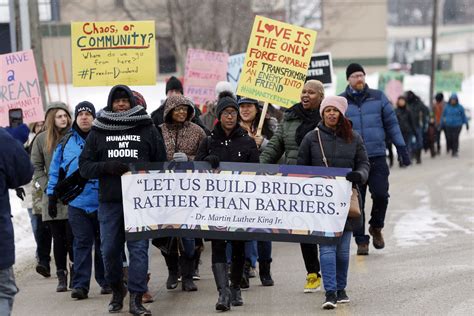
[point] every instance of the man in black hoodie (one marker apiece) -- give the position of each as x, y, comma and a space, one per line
123, 134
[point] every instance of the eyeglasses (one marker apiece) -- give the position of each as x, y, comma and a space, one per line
357, 76
182, 109
229, 113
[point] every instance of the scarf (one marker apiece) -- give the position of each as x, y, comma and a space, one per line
310, 120
118, 121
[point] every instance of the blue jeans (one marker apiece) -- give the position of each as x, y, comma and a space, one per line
378, 187
335, 263
419, 138
112, 239
8, 290
251, 253
85, 228
189, 245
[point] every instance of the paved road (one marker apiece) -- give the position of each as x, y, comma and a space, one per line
426, 268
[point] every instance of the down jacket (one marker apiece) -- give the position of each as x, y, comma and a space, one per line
373, 118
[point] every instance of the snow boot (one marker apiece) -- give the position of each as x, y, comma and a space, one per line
187, 270
136, 307
118, 293
265, 275
236, 295
62, 281
222, 282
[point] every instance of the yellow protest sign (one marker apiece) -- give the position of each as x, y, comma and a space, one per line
110, 53
276, 62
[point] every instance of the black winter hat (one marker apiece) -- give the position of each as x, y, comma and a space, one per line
120, 93
248, 100
439, 97
174, 84
84, 106
225, 100
353, 68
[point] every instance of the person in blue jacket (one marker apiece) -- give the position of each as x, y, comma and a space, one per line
83, 198
15, 170
373, 118
452, 120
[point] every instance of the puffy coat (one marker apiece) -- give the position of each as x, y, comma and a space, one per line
184, 137
16, 170
66, 157
405, 120
283, 141
373, 118
453, 115
237, 147
41, 159
338, 153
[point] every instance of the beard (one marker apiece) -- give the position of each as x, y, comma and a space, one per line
359, 86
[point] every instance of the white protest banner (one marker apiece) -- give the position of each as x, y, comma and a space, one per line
298, 204
234, 69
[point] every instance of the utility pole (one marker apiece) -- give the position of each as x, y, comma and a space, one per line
434, 37
37, 45
11, 7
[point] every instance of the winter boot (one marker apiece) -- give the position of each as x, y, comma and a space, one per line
377, 239
43, 269
136, 307
245, 283
62, 281
173, 271
236, 295
187, 270
147, 297
363, 249
265, 275
222, 282
118, 293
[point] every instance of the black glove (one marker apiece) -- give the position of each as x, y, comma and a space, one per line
53, 206
403, 156
115, 168
213, 160
354, 177
68, 189
20, 192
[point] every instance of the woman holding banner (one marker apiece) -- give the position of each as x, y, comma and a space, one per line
300, 119
334, 144
228, 142
250, 113
182, 139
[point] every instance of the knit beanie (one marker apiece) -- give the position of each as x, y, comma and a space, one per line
439, 97
174, 84
84, 106
224, 101
338, 102
353, 68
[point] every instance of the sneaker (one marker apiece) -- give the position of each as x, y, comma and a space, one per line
196, 275
79, 293
377, 239
363, 249
252, 272
331, 301
313, 283
342, 297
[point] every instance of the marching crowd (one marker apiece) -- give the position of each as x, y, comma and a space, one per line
75, 163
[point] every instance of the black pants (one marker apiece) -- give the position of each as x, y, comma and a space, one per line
238, 258
452, 137
310, 257
62, 242
45, 238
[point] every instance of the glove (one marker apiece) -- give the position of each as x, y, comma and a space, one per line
354, 177
68, 189
180, 157
403, 155
53, 206
20, 192
115, 168
213, 160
